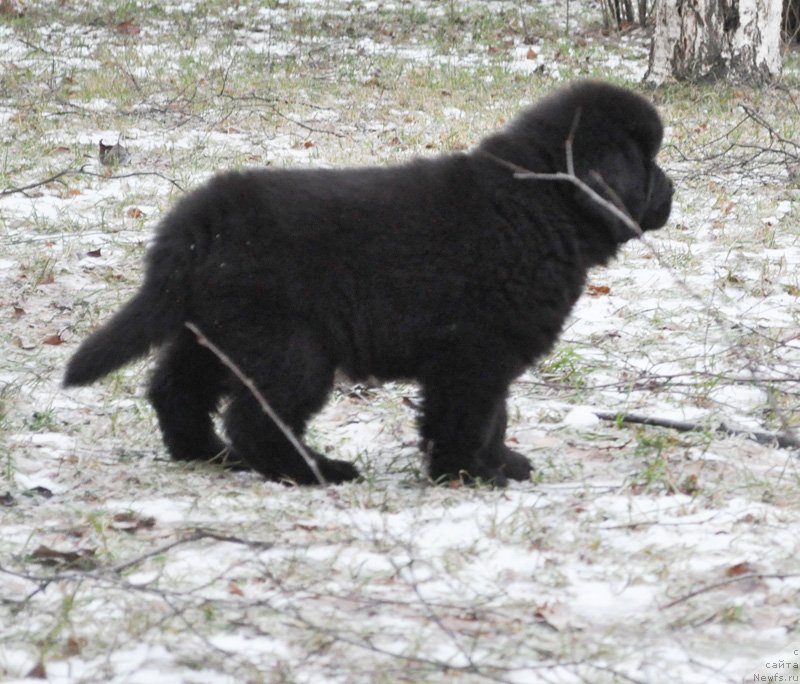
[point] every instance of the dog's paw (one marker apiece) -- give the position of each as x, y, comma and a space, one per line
515, 466
335, 471
506, 465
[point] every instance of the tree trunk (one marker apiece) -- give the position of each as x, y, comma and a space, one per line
699, 40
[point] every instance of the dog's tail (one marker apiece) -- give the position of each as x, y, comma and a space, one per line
154, 314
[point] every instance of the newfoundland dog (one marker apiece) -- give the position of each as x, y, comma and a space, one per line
456, 272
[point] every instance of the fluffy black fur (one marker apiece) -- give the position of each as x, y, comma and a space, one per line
448, 271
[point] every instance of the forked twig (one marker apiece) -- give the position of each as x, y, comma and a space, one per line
262, 402
617, 207
521, 173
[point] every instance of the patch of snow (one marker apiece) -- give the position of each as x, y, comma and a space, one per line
580, 418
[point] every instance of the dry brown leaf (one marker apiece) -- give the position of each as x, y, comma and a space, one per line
131, 522
689, 485
128, 28
74, 646
83, 558
743, 568
54, 340
597, 290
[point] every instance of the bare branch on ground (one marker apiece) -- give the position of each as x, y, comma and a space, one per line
785, 441
83, 172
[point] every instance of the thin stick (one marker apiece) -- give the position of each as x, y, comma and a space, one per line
724, 583
11, 191
262, 402
195, 535
83, 172
570, 138
783, 440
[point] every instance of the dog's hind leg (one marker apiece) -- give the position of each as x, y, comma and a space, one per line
184, 390
294, 375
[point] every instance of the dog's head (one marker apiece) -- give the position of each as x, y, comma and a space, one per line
614, 136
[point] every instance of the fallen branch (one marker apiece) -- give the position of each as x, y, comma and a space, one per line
761, 121
728, 154
194, 536
83, 172
273, 107
133, 174
724, 583
783, 440
31, 186
262, 402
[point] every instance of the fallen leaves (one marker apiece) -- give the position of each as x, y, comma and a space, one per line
128, 28
74, 646
743, 568
53, 340
597, 290
131, 522
83, 559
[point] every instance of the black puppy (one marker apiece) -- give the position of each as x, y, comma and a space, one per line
449, 271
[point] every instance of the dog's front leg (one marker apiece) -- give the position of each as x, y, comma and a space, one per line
463, 425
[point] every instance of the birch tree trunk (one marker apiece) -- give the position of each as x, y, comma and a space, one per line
698, 40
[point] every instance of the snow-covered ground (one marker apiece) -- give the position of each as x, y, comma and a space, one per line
636, 554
